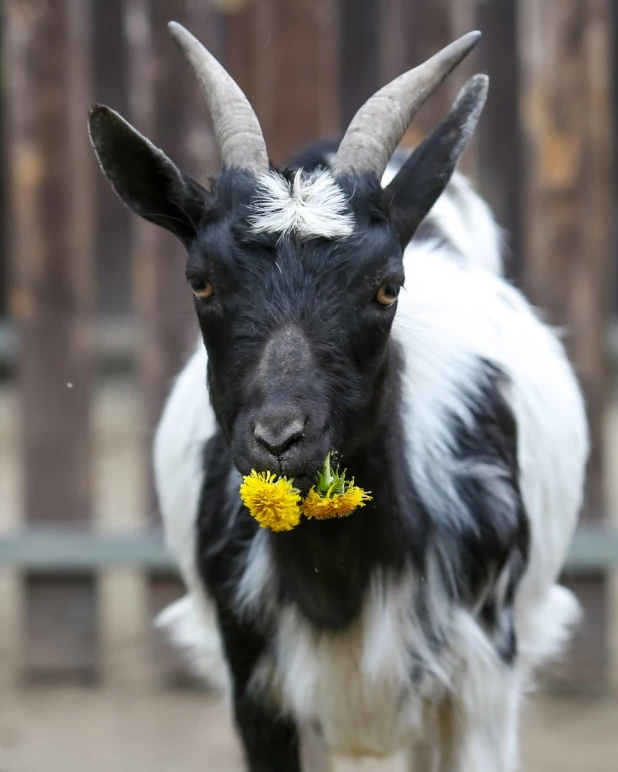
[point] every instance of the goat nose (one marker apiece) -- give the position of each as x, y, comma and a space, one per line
276, 436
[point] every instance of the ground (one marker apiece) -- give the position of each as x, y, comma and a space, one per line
105, 730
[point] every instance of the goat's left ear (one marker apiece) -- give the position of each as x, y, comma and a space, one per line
420, 181
144, 177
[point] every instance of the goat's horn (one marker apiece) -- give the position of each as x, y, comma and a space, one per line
237, 130
379, 125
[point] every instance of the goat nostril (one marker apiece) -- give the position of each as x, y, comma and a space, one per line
277, 439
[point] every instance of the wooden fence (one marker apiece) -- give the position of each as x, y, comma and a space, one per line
75, 260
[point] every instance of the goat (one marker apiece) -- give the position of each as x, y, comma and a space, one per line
447, 398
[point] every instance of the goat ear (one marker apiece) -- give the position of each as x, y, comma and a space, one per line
144, 177
420, 181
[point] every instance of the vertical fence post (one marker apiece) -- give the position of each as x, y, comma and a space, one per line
112, 226
122, 591
413, 30
498, 145
165, 104
566, 204
47, 53
360, 48
283, 53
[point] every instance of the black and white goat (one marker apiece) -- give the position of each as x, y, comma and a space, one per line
446, 398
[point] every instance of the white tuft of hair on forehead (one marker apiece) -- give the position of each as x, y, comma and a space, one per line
308, 206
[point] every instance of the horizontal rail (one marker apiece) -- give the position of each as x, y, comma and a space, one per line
594, 547
62, 551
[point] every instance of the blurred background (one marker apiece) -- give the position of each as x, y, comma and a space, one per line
95, 320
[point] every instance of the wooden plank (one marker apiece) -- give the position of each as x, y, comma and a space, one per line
112, 225
397, 52
47, 55
165, 104
498, 144
566, 204
61, 628
4, 288
410, 32
614, 44
283, 54
360, 54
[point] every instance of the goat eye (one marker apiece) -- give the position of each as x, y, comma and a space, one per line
201, 289
387, 294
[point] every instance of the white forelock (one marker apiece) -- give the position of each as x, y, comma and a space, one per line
308, 206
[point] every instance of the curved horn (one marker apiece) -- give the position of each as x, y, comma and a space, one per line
237, 129
379, 125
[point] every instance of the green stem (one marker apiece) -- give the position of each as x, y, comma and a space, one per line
330, 481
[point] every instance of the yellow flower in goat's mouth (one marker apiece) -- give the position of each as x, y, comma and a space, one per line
274, 503
335, 505
333, 495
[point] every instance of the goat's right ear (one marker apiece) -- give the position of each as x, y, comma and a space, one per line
144, 177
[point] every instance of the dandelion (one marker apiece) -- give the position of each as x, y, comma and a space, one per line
274, 503
333, 495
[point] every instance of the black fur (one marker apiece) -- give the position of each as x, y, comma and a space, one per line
275, 300
144, 177
323, 567
315, 155
497, 540
396, 528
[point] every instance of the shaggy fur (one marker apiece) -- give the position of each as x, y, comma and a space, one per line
464, 337
426, 611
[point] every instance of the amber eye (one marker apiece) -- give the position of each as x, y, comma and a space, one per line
387, 294
201, 289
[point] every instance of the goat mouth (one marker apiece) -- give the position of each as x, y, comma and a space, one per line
303, 479
303, 472
304, 482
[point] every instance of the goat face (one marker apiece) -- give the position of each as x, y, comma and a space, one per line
295, 276
296, 324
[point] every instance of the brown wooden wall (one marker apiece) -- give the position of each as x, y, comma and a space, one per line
542, 156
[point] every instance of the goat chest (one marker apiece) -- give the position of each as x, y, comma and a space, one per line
365, 688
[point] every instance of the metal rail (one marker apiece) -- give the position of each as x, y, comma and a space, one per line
63, 552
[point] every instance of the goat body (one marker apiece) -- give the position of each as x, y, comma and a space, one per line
441, 596
426, 611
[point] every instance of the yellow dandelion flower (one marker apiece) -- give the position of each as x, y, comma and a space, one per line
336, 505
333, 495
274, 503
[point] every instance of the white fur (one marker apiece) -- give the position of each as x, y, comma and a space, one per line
355, 686
454, 310
186, 424
465, 218
478, 721
470, 225
192, 627
358, 687
309, 205
449, 316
